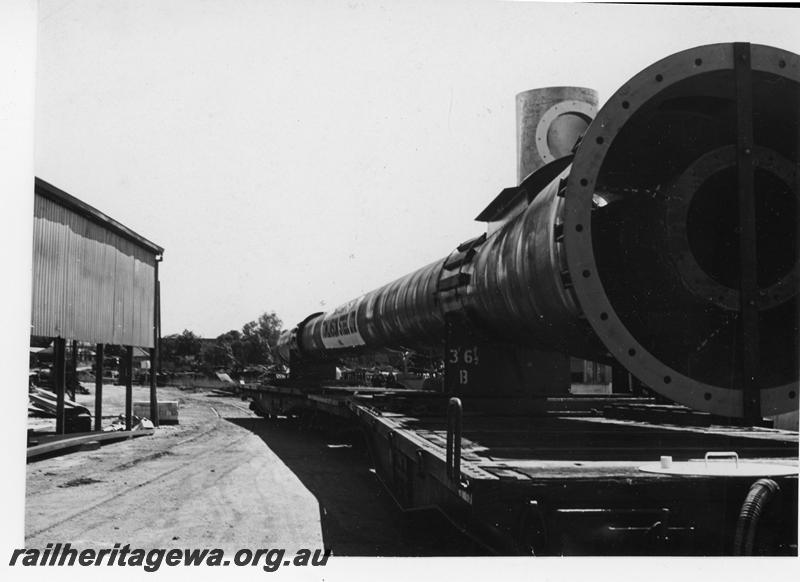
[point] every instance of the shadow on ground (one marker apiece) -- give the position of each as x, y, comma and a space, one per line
358, 516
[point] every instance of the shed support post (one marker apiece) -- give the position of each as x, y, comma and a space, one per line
153, 393
98, 388
73, 366
128, 387
59, 381
156, 351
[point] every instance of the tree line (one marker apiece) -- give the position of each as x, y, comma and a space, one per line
233, 350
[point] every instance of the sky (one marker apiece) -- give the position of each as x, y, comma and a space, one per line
290, 156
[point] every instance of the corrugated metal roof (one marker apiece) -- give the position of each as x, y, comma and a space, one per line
80, 208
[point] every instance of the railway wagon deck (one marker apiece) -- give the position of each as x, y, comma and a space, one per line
572, 475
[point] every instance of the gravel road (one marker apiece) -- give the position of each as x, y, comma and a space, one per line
225, 478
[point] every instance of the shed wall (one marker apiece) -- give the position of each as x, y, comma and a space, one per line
89, 283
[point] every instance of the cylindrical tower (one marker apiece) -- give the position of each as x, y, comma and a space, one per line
549, 122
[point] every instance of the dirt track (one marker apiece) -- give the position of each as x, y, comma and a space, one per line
222, 478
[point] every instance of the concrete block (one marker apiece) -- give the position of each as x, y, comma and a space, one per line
167, 410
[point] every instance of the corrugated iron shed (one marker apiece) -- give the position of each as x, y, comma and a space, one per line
94, 279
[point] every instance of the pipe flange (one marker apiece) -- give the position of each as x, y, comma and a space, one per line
680, 197
588, 287
582, 109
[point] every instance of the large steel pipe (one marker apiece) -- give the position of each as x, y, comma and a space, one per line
640, 247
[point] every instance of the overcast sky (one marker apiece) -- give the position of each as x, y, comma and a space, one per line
290, 156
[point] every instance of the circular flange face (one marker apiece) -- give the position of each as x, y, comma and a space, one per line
681, 194
597, 308
585, 111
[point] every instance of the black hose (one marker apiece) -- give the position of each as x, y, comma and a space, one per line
759, 495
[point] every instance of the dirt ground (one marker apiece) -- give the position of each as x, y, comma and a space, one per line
224, 478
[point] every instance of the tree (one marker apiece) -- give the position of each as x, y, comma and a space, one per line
225, 353
187, 344
233, 350
259, 337
218, 355
180, 348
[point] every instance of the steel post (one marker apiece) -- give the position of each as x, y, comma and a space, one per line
128, 387
98, 387
59, 381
